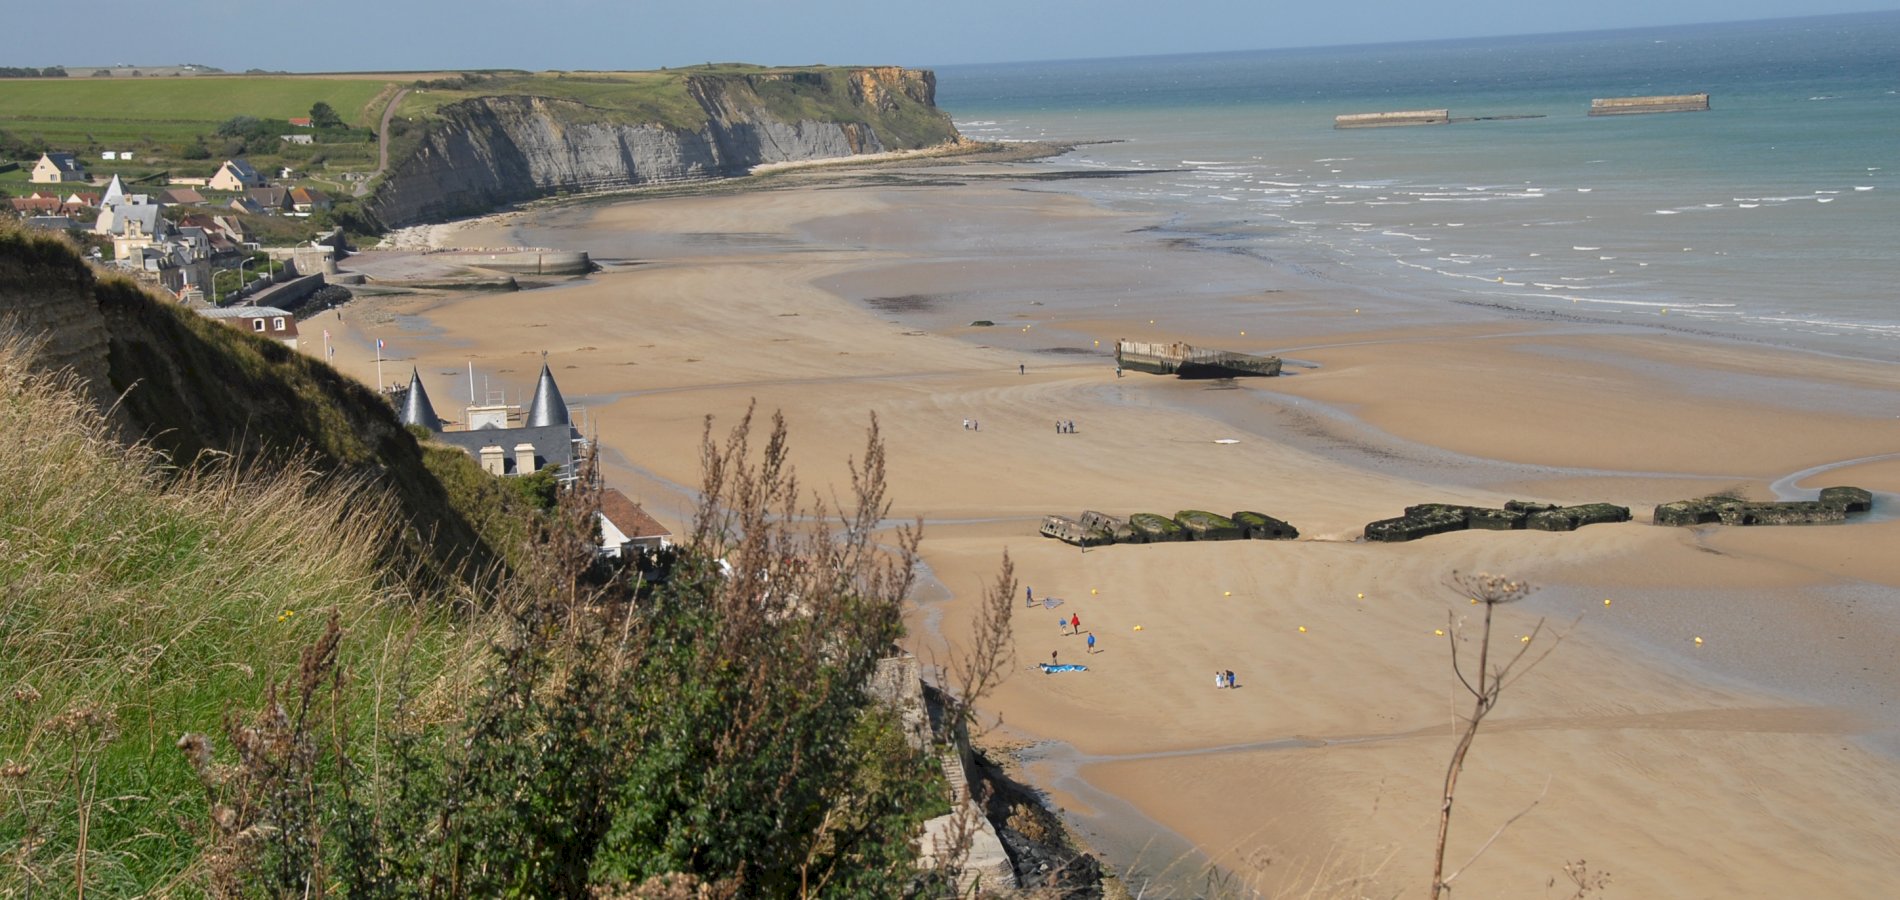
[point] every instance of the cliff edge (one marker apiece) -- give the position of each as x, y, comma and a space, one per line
491, 141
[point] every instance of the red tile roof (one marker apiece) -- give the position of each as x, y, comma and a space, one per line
629, 517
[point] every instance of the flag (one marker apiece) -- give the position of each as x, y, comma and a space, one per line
326, 334
379, 343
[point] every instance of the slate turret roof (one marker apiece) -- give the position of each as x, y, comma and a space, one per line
548, 407
417, 410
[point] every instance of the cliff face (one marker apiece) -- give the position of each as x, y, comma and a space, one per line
489, 151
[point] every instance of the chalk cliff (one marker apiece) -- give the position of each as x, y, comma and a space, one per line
486, 151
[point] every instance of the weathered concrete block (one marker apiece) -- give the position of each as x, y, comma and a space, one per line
1068, 530
1202, 525
1115, 527
1262, 527
1849, 499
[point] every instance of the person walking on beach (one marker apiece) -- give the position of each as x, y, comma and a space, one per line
1052, 657
1075, 624
1230, 678
1091, 642
1022, 369
1029, 596
1220, 679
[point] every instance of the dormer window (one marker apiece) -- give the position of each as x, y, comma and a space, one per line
277, 323
257, 324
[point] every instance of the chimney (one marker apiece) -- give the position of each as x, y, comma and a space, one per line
524, 458
492, 462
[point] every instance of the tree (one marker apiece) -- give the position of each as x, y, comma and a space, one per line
323, 116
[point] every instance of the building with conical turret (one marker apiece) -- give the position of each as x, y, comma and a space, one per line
546, 437
416, 408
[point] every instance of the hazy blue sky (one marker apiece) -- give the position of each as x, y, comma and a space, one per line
331, 35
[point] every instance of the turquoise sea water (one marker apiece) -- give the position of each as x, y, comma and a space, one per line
1774, 216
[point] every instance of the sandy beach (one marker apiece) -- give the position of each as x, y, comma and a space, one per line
1759, 762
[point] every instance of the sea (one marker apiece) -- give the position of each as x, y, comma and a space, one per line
1772, 217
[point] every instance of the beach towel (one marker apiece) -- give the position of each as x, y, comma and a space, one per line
1065, 667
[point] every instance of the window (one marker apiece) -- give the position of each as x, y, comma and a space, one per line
277, 323
257, 324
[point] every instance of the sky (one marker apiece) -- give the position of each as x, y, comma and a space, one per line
409, 35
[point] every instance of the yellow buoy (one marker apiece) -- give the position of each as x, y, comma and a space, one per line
1243, 334
1137, 627
1091, 592
1606, 602
1303, 631
1524, 638
1151, 321
1362, 596
1227, 593
1439, 631
1698, 641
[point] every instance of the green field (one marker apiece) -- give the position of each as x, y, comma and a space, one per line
82, 111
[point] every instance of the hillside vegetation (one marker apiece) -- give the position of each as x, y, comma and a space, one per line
218, 679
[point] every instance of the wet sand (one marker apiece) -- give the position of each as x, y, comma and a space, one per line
1758, 763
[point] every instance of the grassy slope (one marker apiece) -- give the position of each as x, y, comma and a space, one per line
135, 607
138, 601
68, 110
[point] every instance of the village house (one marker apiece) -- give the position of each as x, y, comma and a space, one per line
546, 437
265, 321
224, 234
626, 529
308, 200
181, 196
269, 199
236, 175
58, 168
297, 138
300, 121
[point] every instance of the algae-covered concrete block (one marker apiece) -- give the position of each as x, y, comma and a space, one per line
1485, 519
1202, 525
1154, 529
1411, 528
1684, 513
1262, 527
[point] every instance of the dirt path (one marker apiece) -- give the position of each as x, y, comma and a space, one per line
382, 140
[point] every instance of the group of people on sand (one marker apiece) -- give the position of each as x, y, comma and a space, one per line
971, 425
1225, 679
1071, 625
1065, 426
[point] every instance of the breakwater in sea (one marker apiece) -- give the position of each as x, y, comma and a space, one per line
1763, 218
